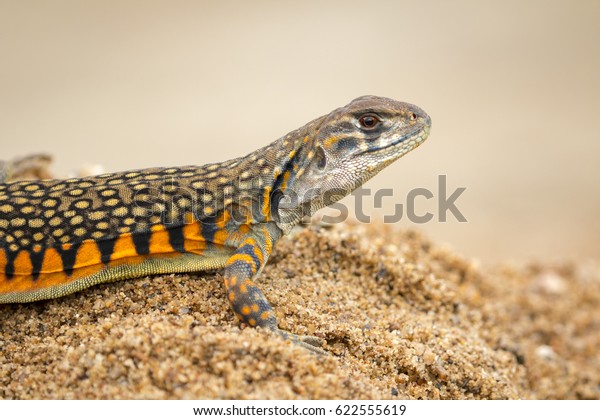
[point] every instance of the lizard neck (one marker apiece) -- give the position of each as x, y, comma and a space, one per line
263, 177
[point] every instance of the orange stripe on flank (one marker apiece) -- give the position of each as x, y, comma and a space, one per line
193, 240
124, 248
222, 234
87, 255
159, 241
189, 218
2, 262
52, 262
24, 283
223, 219
23, 264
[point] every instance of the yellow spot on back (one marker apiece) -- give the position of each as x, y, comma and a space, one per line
82, 204
17, 222
97, 215
111, 202
120, 211
35, 223
139, 211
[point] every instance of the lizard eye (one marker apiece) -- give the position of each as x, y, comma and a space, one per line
369, 121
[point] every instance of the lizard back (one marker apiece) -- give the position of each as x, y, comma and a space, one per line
54, 232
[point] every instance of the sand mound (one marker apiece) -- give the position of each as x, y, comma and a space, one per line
400, 316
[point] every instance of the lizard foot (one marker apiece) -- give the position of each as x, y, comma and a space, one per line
309, 342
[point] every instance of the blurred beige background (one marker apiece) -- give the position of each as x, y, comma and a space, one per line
513, 89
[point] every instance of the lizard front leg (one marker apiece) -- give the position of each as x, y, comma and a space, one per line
246, 299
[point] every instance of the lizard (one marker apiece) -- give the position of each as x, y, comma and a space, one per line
58, 237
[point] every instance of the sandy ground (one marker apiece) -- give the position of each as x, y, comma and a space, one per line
399, 316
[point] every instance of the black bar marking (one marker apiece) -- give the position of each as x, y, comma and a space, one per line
106, 247
209, 227
9, 269
176, 238
37, 260
141, 241
68, 257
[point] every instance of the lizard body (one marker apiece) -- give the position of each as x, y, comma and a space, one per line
61, 236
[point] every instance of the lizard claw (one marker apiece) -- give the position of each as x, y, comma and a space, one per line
309, 342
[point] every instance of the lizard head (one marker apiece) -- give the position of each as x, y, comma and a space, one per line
349, 146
